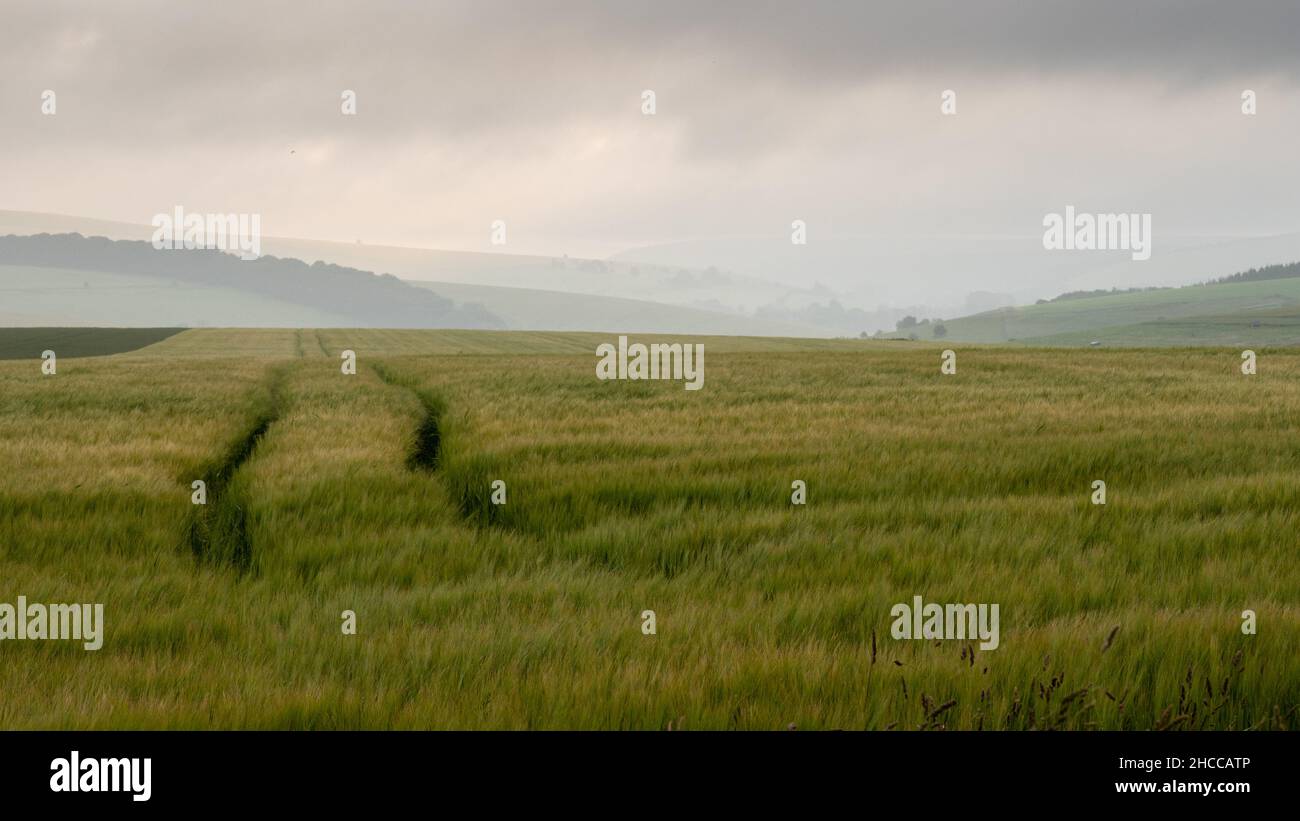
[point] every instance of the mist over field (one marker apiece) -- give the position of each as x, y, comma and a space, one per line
919, 145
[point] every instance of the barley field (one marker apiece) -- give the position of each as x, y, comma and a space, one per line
371, 493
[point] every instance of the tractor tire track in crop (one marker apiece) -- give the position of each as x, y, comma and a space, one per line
466, 484
426, 449
218, 530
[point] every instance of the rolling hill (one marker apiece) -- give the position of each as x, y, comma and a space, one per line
40, 274
517, 292
1231, 313
532, 309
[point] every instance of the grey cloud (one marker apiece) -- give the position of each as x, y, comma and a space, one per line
824, 110
257, 70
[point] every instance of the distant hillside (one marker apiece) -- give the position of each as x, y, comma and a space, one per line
1103, 292
1245, 309
531, 309
320, 291
935, 275
524, 292
1266, 273
61, 297
665, 284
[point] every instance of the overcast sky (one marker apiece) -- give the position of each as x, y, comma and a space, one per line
530, 112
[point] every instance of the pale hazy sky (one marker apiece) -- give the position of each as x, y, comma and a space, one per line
767, 111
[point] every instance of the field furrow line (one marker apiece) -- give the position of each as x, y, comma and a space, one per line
426, 449
218, 530
427, 453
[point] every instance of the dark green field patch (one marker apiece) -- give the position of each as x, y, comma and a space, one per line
30, 343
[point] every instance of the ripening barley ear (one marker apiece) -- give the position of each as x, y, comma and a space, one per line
1110, 639
648, 623
349, 358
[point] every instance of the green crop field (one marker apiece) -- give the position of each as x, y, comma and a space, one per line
30, 343
371, 493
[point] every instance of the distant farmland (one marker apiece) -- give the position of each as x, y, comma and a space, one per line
30, 343
370, 493
1238, 313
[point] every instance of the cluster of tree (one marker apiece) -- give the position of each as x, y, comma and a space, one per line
371, 300
914, 326
1281, 271
1284, 271
1102, 292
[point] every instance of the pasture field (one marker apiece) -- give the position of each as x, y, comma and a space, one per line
370, 493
